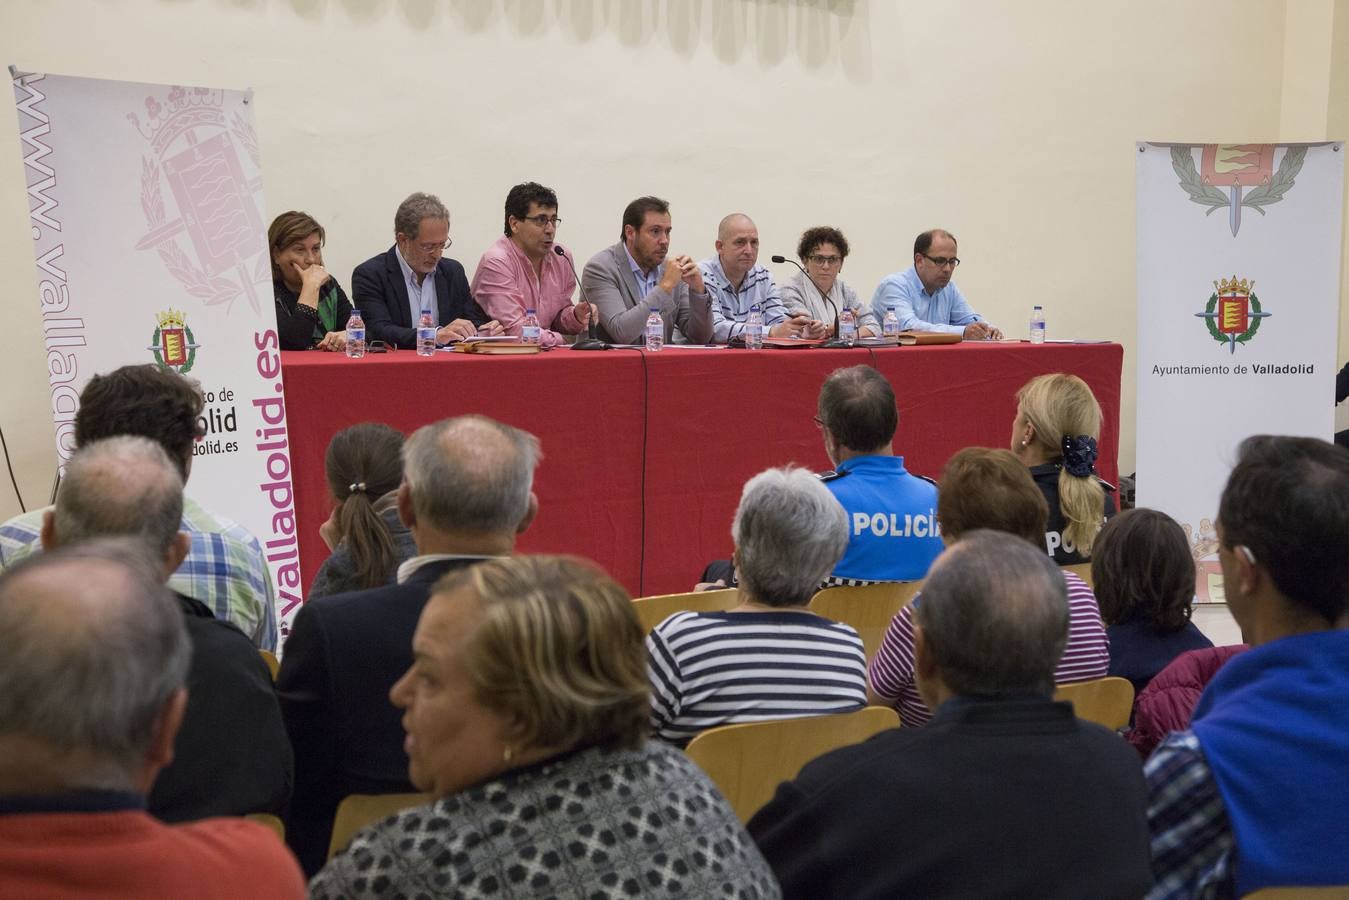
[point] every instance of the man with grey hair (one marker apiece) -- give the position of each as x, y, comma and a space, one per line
1003, 793
231, 756
91, 697
770, 657
467, 493
393, 288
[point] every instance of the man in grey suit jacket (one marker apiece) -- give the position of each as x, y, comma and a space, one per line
627, 281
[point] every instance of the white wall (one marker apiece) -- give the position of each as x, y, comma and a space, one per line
1010, 123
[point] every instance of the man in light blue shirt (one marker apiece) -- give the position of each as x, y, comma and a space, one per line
924, 298
736, 282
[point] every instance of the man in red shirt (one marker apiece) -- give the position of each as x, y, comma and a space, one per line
91, 697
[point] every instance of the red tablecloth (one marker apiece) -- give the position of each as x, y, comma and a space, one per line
645, 453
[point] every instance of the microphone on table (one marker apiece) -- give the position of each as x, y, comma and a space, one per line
835, 342
592, 341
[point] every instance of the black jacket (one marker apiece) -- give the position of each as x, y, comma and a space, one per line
992, 798
231, 755
343, 655
382, 297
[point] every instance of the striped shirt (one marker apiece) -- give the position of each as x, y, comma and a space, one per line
224, 567
1192, 838
1085, 657
730, 308
710, 669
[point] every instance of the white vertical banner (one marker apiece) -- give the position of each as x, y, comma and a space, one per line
145, 204
1238, 305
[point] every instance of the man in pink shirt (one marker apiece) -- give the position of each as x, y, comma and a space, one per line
524, 270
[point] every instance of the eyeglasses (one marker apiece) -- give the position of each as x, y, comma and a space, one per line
942, 262
435, 248
543, 221
824, 260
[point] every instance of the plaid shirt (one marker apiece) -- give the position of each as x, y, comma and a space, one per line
1191, 837
224, 568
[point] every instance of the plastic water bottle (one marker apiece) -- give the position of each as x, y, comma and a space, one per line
655, 331
529, 332
754, 329
426, 334
1037, 325
890, 324
355, 335
847, 326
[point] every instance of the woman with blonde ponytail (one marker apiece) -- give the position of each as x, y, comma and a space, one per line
364, 468
1058, 422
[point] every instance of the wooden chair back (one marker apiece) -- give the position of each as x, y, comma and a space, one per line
1106, 701
1330, 892
273, 664
654, 610
270, 821
867, 608
748, 762
359, 810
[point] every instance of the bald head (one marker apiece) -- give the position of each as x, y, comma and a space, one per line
95, 648
737, 246
120, 486
733, 223
470, 474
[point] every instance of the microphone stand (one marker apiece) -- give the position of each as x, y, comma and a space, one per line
835, 342
592, 340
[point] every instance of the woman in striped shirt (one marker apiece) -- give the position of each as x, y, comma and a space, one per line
988, 489
770, 657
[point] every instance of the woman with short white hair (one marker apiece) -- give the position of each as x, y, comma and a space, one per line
770, 657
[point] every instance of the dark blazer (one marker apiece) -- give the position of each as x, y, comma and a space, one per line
231, 755
992, 798
343, 655
381, 294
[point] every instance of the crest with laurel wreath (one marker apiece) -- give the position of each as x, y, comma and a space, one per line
208, 239
1246, 170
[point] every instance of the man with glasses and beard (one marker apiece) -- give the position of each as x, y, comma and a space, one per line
392, 289
924, 297
526, 269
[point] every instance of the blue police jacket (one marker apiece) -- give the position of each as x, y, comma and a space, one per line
892, 519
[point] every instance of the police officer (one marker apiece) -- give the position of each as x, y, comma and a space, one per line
892, 513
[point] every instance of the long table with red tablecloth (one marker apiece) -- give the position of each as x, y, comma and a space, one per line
645, 453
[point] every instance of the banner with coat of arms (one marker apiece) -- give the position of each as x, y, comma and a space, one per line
146, 211
1238, 312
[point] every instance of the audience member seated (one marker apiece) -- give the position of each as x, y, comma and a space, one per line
822, 251
1143, 576
1254, 794
91, 697
736, 283
632, 279
311, 307
1168, 702
224, 567
231, 756
1004, 794
466, 494
1058, 422
368, 541
770, 657
988, 489
526, 721
892, 513
522, 271
393, 288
